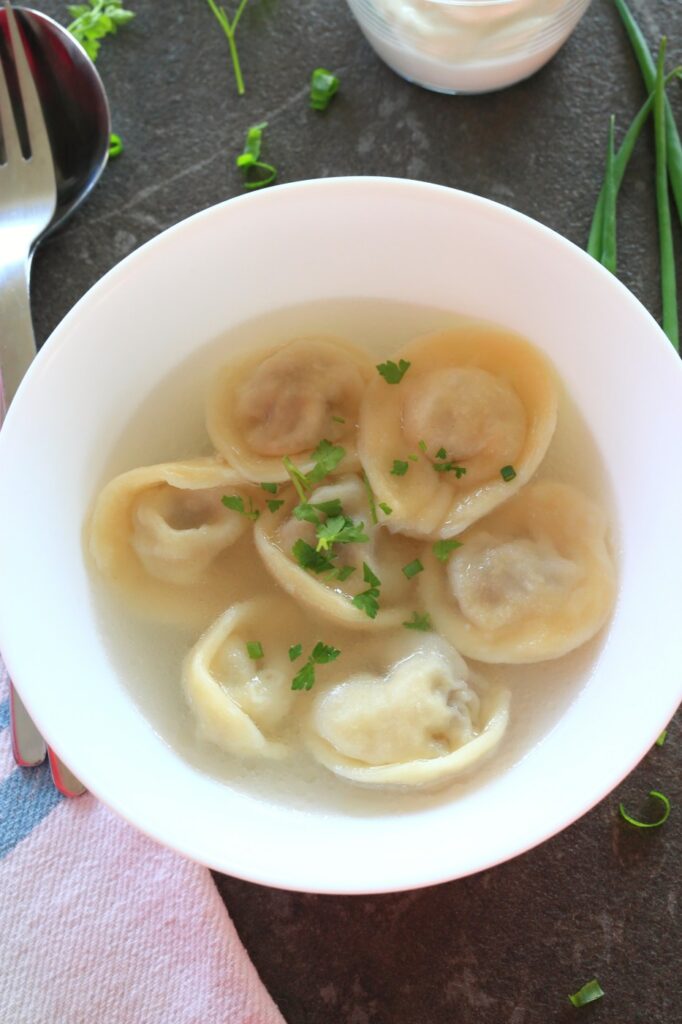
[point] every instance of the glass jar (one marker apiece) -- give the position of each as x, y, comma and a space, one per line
467, 46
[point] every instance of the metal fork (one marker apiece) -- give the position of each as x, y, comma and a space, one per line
28, 196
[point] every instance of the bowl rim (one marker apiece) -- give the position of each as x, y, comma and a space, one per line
116, 275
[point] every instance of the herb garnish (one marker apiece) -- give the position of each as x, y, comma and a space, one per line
270, 488
412, 568
309, 512
339, 530
338, 419
256, 173
368, 600
507, 473
654, 794
662, 738
115, 146
422, 446
321, 654
386, 509
230, 28
399, 468
295, 651
274, 503
310, 559
420, 622
587, 994
449, 467
95, 20
236, 503
254, 649
441, 454
392, 372
326, 457
370, 498
442, 549
323, 87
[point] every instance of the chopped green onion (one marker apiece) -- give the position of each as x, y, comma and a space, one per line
386, 509
399, 468
392, 372
608, 252
587, 994
507, 473
442, 549
256, 173
255, 649
323, 87
274, 503
115, 146
338, 419
295, 651
229, 28
670, 320
270, 488
236, 503
449, 467
654, 794
412, 568
370, 499
420, 622
662, 738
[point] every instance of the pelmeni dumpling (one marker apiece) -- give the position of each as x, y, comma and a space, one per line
419, 724
286, 400
323, 591
163, 536
531, 581
474, 401
239, 702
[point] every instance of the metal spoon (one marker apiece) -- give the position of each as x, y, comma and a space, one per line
76, 113
74, 105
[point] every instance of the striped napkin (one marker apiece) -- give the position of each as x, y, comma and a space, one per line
100, 925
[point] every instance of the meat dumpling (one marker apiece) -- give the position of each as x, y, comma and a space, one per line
329, 591
162, 534
239, 702
284, 401
531, 581
420, 724
474, 401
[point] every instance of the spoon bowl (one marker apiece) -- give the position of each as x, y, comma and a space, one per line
74, 104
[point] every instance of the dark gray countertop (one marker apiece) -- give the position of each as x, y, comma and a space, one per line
508, 945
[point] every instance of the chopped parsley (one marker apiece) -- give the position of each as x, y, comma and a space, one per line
323, 87
321, 654
442, 549
95, 20
338, 419
449, 467
386, 509
399, 468
274, 503
326, 457
413, 458
420, 622
236, 503
254, 649
368, 600
392, 372
340, 530
270, 488
310, 559
507, 473
343, 573
297, 477
662, 738
441, 454
587, 994
422, 446
412, 568
295, 651
309, 512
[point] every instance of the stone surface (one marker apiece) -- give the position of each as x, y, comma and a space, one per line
506, 946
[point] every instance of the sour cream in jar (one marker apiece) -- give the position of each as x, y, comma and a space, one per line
467, 46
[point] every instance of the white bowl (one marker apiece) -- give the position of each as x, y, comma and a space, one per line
326, 239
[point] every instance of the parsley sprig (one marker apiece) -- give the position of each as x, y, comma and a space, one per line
95, 20
321, 654
230, 28
392, 372
368, 600
326, 457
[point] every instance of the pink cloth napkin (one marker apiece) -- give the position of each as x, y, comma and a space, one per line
100, 925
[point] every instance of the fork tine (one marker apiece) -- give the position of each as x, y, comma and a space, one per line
7, 122
35, 122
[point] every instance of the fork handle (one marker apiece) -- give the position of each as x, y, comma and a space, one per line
17, 341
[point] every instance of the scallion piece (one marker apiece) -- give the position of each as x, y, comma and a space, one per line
413, 568
670, 321
587, 994
115, 146
386, 509
655, 795
323, 87
399, 467
608, 249
254, 649
256, 173
507, 473
662, 738
370, 499
442, 549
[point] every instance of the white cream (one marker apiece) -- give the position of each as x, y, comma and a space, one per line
473, 46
